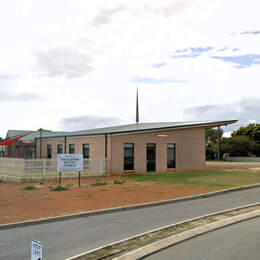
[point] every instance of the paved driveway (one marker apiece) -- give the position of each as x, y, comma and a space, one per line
257, 164
67, 238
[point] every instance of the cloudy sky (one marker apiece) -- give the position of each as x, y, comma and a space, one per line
75, 64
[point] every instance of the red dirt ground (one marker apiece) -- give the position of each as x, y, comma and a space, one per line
17, 204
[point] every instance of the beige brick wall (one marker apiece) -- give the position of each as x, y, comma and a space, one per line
190, 149
96, 146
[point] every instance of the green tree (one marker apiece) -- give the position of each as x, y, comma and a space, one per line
251, 130
240, 145
44, 130
212, 136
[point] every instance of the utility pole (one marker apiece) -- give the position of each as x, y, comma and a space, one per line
219, 148
40, 143
65, 144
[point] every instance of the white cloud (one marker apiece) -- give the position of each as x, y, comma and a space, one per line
105, 15
88, 122
245, 109
63, 62
24, 97
87, 52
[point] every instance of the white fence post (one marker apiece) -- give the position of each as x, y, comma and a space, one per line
44, 168
101, 170
107, 165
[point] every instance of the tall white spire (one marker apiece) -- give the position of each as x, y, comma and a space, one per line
137, 107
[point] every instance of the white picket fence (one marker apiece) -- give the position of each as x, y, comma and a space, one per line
44, 168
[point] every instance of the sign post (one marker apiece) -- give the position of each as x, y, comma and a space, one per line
36, 250
70, 163
59, 178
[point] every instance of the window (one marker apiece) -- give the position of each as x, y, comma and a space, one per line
59, 148
85, 151
128, 156
171, 157
71, 148
151, 157
49, 150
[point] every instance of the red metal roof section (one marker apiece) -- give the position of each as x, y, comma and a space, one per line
8, 141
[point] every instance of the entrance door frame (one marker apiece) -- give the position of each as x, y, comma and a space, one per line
151, 168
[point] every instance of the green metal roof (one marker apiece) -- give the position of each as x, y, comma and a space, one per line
32, 135
140, 127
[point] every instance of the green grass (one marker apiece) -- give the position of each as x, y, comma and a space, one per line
47, 198
116, 181
220, 179
98, 183
59, 188
2, 182
30, 187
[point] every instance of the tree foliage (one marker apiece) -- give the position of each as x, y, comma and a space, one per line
44, 130
212, 135
244, 141
252, 131
240, 146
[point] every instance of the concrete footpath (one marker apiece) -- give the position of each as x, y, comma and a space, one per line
64, 239
239, 241
152, 248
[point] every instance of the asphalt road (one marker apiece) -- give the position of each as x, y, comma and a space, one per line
237, 242
67, 238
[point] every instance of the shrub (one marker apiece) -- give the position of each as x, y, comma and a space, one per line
59, 188
98, 183
116, 181
30, 187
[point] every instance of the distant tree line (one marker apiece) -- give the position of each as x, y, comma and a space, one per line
243, 142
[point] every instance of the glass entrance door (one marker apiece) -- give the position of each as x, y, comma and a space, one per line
150, 157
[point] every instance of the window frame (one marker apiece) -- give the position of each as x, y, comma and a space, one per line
132, 158
171, 165
71, 145
58, 150
83, 149
49, 151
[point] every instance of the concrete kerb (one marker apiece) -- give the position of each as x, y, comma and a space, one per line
170, 241
118, 209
